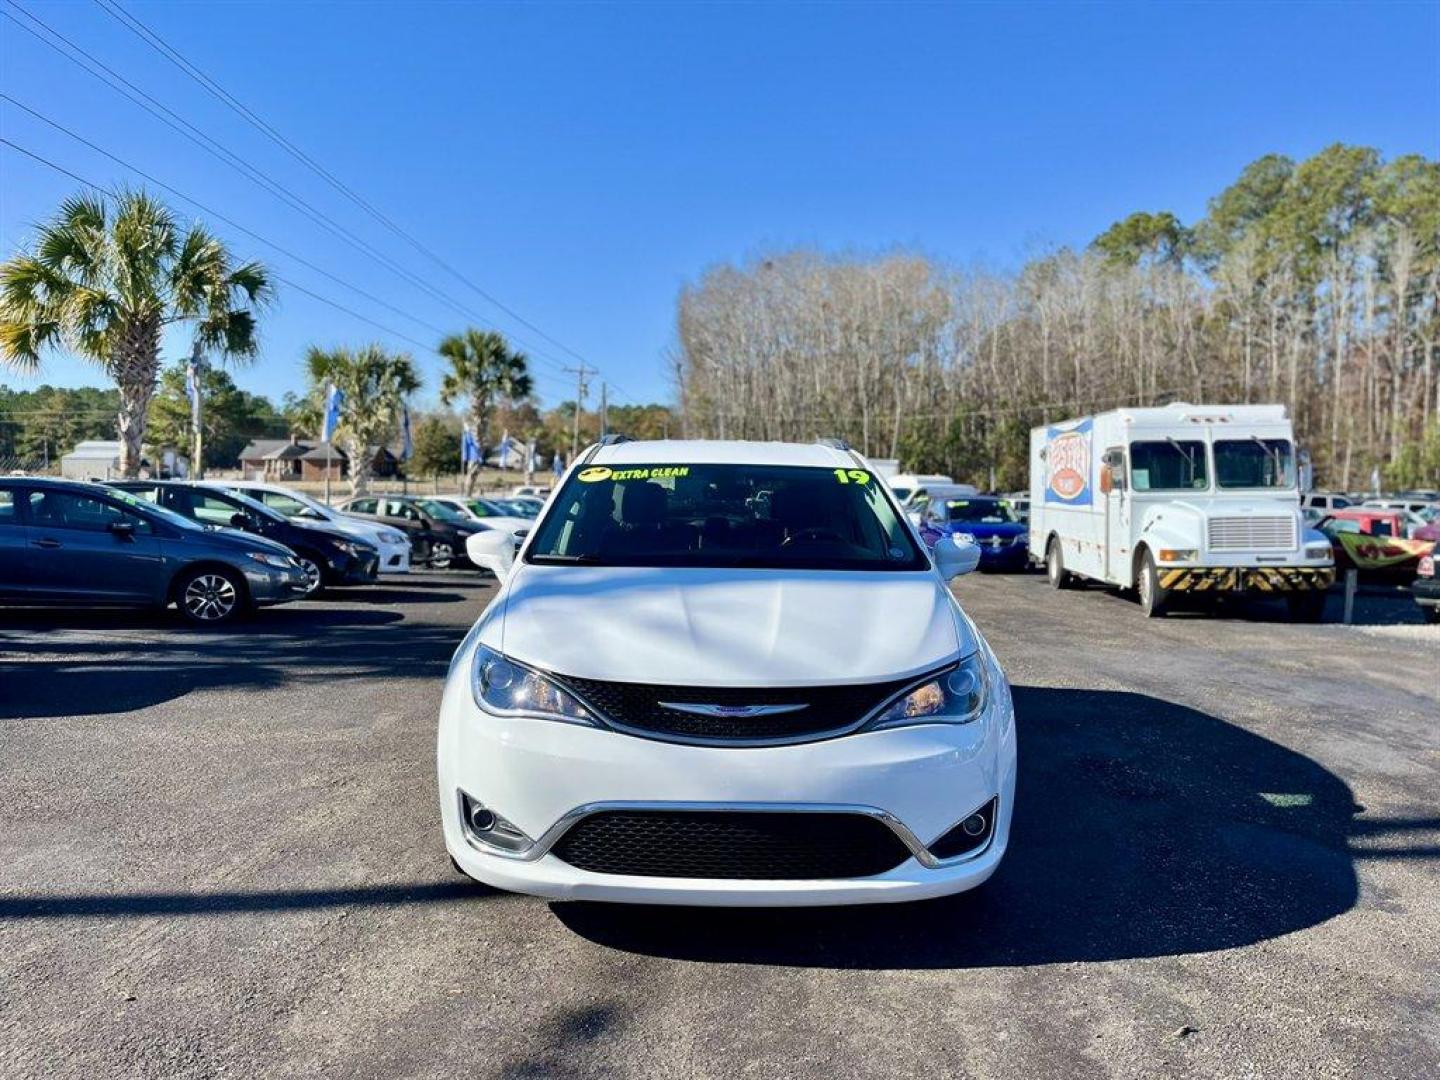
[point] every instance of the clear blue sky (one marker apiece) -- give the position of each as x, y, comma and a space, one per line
582, 162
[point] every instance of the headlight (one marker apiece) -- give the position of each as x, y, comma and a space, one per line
956, 697
1319, 551
392, 538
505, 688
284, 562
348, 548
1178, 554
963, 538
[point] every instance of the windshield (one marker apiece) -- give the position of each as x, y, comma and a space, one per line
484, 508
443, 511
256, 507
1168, 465
779, 517
1254, 463
984, 511
170, 517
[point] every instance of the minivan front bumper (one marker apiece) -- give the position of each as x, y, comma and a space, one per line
543, 777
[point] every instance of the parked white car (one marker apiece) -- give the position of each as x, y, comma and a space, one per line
484, 513
725, 673
300, 508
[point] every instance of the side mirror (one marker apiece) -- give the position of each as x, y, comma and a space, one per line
241, 521
123, 530
520, 535
494, 549
952, 558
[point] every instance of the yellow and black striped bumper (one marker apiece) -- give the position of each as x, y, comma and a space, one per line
1263, 579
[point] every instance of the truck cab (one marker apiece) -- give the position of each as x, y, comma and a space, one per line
1177, 500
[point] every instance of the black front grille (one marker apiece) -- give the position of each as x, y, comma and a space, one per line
753, 845
828, 708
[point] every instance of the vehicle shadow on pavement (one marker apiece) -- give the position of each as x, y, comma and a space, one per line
57, 675
1141, 828
174, 904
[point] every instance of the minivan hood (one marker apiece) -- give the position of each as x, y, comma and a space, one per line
721, 627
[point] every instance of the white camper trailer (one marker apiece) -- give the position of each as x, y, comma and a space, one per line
1181, 499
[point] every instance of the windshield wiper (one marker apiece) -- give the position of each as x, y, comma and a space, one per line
1188, 455
557, 558
1274, 455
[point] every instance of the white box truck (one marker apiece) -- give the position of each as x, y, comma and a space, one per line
1181, 499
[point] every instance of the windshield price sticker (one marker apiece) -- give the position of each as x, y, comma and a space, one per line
852, 476
596, 473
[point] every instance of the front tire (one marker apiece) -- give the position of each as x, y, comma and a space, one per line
1055, 570
210, 597
314, 575
441, 555
1152, 596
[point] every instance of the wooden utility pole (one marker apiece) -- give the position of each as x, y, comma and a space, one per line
197, 370
582, 374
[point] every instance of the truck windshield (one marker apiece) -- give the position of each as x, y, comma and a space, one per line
714, 515
1168, 465
1254, 463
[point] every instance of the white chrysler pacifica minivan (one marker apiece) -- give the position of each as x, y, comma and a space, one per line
725, 673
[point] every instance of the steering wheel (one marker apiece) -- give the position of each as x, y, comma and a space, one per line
814, 535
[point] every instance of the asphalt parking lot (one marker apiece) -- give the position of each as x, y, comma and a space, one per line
220, 855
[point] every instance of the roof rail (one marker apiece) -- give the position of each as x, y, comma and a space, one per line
834, 442
613, 438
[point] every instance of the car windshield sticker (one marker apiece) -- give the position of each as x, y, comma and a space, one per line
852, 476
597, 473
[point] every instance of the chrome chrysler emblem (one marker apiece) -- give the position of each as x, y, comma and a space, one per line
730, 710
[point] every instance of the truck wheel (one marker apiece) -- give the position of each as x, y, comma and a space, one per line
1055, 567
1306, 607
1148, 589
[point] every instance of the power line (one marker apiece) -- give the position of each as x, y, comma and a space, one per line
179, 60
287, 282
123, 86
206, 209
299, 288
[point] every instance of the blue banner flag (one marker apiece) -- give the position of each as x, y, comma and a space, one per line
469, 448
334, 399
407, 447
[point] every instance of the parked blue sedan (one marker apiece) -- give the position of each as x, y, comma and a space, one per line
989, 522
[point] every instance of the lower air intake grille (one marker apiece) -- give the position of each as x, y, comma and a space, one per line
753, 845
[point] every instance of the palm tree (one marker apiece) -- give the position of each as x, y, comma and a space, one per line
375, 383
483, 370
104, 281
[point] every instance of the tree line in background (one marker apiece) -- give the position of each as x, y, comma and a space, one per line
1314, 284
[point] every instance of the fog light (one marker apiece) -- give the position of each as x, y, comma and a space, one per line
487, 830
481, 819
970, 836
